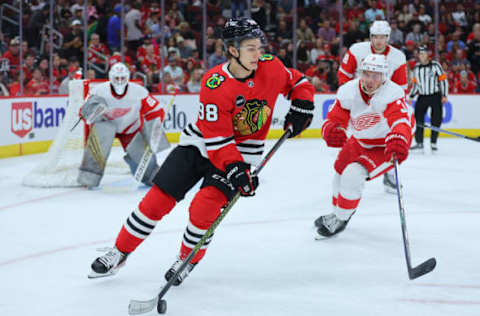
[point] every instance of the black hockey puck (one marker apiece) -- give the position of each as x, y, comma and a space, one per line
162, 306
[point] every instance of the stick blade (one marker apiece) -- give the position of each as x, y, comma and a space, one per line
422, 269
141, 307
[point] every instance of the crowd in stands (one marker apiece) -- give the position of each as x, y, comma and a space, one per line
318, 49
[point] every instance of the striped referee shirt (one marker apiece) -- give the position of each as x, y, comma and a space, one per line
429, 79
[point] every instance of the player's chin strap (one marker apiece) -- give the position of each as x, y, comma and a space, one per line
238, 58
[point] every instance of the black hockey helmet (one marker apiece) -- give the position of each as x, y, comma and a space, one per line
238, 30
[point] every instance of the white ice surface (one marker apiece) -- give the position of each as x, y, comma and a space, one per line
264, 259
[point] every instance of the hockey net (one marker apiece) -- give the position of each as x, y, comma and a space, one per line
59, 167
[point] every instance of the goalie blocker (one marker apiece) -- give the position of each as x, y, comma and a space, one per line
125, 110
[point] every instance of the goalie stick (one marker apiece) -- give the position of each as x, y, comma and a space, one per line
424, 267
441, 130
157, 130
139, 307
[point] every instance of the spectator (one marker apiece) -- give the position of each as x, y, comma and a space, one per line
285, 57
35, 23
170, 86
176, 73
185, 51
134, 29
373, 12
423, 16
58, 71
405, 16
194, 83
38, 85
459, 16
283, 32
142, 50
114, 28
303, 55
326, 32
91, 74
95, 51
353, 35
464, 85
14, 86
396, 35
455, 41
216, 58
237, 6
304, 33
28, 66
316, 51
172, 49
73, 41
187, 34
259, 13
409, 49
13, 54
473, 51
151, 64
63, 89
416, 35
43, 66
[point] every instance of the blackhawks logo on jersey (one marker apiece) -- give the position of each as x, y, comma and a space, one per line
252, 117
214, 81
266, 57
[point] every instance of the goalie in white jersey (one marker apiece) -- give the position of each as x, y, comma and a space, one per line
122, 109
375, 108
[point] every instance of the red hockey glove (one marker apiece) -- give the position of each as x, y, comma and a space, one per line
397, 145
238, 173
334, 134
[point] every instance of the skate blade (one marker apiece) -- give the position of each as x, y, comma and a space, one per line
95, 275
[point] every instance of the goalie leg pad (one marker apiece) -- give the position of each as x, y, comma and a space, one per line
96, 152
135, 150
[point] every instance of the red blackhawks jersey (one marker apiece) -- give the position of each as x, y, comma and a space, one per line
372, 118
235, 115
350, 66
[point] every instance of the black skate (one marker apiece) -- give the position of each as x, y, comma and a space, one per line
389, 183
330, 225
182, 275
108, 264
418, 148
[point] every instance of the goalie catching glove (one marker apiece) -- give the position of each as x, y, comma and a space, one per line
238, 173
299, 117
397, 146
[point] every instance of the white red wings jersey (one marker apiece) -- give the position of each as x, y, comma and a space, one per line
129, 110
350, 66
235, 115
372, 119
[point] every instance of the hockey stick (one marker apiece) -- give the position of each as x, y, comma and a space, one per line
424, 267
157, 130
139, 307
441, 130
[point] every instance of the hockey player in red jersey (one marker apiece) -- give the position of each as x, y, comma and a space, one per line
237, 100
378, 44
381, 129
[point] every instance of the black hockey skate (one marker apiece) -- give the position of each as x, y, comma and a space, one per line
182, 275
389, 183
418, 148
330, 225
108, 264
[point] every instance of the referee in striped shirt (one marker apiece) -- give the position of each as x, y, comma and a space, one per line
431, 84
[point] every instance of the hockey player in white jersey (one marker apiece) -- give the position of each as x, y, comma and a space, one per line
122, 109
375, 108
378, 44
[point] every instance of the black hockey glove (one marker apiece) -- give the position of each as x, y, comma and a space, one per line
238, 173
299, 117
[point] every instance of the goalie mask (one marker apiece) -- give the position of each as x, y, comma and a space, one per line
119, 76
374, 70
